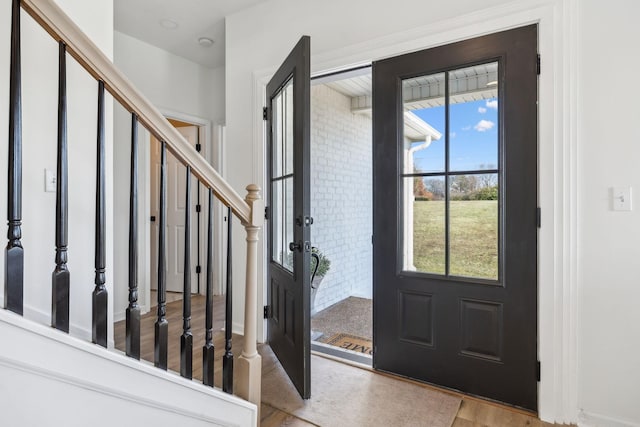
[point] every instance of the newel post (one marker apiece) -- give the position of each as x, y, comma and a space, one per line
249, 364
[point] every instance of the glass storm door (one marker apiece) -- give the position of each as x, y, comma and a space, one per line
288, 120
455, 216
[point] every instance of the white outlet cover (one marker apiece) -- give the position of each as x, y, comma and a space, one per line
49, 181
621, 198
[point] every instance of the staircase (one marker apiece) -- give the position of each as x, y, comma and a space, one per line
50, 374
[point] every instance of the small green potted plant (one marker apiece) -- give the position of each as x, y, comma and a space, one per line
320, 265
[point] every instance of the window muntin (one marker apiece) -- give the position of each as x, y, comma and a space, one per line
450, 173
282, 176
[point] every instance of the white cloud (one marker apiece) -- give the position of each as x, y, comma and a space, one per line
467, 127
484, 125
492, 103
453, 135
482, 110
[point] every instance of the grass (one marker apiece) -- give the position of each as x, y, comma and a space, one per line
473, 238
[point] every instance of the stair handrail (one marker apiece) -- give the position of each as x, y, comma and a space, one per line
53, 20
249, 210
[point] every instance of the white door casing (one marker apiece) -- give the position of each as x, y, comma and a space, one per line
176, 185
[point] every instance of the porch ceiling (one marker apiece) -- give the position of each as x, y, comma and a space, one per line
466, 85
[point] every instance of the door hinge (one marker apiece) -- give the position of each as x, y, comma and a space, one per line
539, 217
266, 212
198, 208
267, 312
198, 269
265, 113
538, 64
538, 370
198, 147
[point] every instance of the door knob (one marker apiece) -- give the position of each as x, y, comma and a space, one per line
293, 246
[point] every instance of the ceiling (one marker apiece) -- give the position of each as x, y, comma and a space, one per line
143, 19
478, 82
468, 84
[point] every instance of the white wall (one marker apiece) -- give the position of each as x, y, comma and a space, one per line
39, 84
173, 84
609, 156
170, 81
587, 90
52, 379
341, 181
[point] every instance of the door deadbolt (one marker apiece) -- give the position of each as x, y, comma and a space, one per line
304, 220
299, 246
293, 246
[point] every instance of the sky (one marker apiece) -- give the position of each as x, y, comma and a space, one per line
473, 137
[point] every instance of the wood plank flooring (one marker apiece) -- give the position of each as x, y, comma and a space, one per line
473, 412
174, 317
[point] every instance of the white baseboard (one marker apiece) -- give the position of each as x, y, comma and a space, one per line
119, 316
44, 318
589, 419
75, 330
238, 328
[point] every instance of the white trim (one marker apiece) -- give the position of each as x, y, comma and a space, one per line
42, 318
211, 153
260, 80
102, 389
206, 135
557, 162
425, 130
587, 419
237, 328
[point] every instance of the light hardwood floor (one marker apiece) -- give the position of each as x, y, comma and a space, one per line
473, 412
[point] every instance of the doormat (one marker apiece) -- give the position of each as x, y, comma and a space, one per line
344, 395
351, 342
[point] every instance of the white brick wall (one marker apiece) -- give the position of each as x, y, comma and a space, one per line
341, 186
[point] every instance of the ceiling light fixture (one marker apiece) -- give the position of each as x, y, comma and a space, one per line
169, 24
205, 42
492, 83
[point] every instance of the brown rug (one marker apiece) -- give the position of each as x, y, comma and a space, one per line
351, 342
343, 395
352, 315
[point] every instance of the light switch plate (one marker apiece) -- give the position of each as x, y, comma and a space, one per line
621, 198
49, 181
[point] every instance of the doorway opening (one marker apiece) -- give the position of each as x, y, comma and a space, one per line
441, 223
198, 133
176, 179
341, 205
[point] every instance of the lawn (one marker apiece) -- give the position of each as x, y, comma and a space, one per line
473, 237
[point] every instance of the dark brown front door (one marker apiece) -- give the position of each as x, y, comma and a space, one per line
455, 216
288, 294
